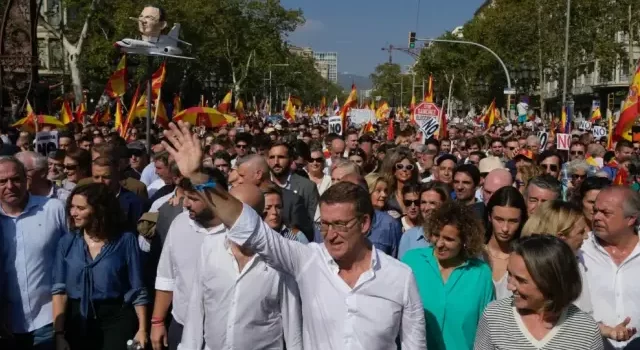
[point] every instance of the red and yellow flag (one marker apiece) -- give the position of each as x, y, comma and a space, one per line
610, 134
66, 115
240, 109
630, 110
296, 101
412, 110
132, 113
119, 123
428, 96
177, 104
157, 80
443, 131
290, 110
81, 111
563, 120
596, 115
352, 100
382, 111
490, 115
225, 105
117, 83
323, 106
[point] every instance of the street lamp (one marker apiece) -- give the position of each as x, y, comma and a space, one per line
274, 65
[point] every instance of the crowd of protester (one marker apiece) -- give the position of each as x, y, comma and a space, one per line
271, 236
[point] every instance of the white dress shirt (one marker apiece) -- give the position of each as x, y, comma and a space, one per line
178, 261
155, 206
155, 186
615, 289
256, 308
383, 304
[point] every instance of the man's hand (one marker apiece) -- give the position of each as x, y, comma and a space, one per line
620, 332
159, 337
185, 148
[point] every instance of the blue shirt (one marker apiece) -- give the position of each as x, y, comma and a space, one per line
29, 244
412, 239
452, 309
115, 273
132, 206
385, 233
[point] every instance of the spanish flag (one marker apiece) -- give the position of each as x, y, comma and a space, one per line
160, 113
224, 106
352, 100
81, 111
382, 111
132, 113
596, 115
296, 101
177, 104
610, 134
117, 83
412, 110
119, 123
66, 115
630, 110
490, 116
239, 109
157, 80
323, 106
372, 106
428, 97
290, 110
563, 120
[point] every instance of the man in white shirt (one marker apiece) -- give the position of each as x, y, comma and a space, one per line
237, 301
353, 297
177, 266
612, 260
161, 162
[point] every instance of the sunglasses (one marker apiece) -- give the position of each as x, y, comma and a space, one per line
408, 167
136, 153
316, 160
552, 167
408, 202
241, 146
578, 177
577, 153
512, 148
70, 167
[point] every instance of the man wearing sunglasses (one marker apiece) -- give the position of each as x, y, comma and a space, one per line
550, 162
577, 151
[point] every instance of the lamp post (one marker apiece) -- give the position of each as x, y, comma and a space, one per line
270, 78
566, 53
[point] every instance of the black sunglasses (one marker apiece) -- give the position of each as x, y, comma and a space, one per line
577, 176
70, 167
577, 153
552, 167
316, 160
241, 146
408, 202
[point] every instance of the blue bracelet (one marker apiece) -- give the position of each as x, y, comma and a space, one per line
208, 184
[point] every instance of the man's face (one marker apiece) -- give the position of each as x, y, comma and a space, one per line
337, 150
497, 149
462, 148
149, 23
55, 169
512, 148
473, 148
279, 161
463, 186
315, 134
536, 196
445, 146
636, 148
453, 133
248, 175
85, 145
624, 152
534, 147
352, 141
222, 165
65, 143
199, 211
13, 185
138, 160
341, 229
102, 174
162, 170
609, 219
232, 135
576, 152
551, 166
242, 148
445, 171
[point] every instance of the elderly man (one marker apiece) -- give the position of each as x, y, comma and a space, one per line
332, 276
541, 189
495, 180
38, 184
611, 258
533, 144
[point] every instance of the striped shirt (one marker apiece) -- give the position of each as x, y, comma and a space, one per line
501, 327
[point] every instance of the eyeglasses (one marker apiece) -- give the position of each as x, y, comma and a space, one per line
241, 146
577, 153
408, 202
578, 177
337, 226
70, 166
408, 167
512, 148
316, 160
552, 167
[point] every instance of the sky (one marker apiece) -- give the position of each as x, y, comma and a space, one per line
358, 29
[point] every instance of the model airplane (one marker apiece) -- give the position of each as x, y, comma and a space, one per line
166, 45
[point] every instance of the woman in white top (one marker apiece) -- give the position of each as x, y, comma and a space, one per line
506, 214
545, 282
315, 168
565, 220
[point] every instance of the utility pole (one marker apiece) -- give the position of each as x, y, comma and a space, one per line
566, 54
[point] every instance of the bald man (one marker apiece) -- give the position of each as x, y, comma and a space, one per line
254, 170
249, 195
495, 180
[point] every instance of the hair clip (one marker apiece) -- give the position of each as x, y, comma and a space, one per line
202, 187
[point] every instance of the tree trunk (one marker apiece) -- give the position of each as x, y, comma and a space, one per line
76, 78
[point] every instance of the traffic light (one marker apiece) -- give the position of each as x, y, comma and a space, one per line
412, 40
611, 102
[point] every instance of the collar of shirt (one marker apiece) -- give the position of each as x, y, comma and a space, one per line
200, 229
32, 202
593, 241
429, 256
52, 191
333, 266
287, 183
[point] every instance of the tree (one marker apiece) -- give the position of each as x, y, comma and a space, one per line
389, 82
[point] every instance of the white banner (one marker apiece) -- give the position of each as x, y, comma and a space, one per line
599, 131
335, 125
362, 116
46, 142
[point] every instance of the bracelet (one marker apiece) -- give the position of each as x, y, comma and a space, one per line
157, 324
157, 320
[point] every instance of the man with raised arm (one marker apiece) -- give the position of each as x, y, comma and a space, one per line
353, 296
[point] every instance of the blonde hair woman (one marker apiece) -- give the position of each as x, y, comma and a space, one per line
378, 189
566, 221
399, 168
526, 173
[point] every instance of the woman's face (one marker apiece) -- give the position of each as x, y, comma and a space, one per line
412, 205
80, 211
505, 222
273, 211
379, 195
588, 201
403, 170
526, 294
519, 184
429, 201
577, 235
447, 243
578, 177
357, 160
71, 169
316, 163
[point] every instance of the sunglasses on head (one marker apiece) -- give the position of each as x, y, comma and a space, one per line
316, 160
408, 202
552, 167
408, 167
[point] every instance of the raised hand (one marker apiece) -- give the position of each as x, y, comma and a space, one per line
185, 148
621, 332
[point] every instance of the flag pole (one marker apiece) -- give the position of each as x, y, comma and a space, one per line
149, 78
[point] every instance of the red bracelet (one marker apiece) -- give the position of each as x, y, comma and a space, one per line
157, 320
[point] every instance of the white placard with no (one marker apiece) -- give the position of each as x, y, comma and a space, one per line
335, 125
543, 136
599, 131
46, 142
563, 142
585, 125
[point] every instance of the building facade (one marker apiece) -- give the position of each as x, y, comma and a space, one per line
331, 59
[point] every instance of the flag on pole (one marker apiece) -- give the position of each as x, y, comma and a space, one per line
630, 110
157, 80
132, 113
336, 106
596, 115
323, 106
490, 115
81, 111
177, 104
160, 114
296, 101
66, 115
224, 106
240, 109
117, 83
290, 110
119, 123
352, 100
610, 134
412, 110
382, 111
428, 96
563, 119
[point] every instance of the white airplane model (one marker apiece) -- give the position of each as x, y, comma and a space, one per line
166, 45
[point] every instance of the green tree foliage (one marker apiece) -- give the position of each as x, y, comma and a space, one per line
387, 80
